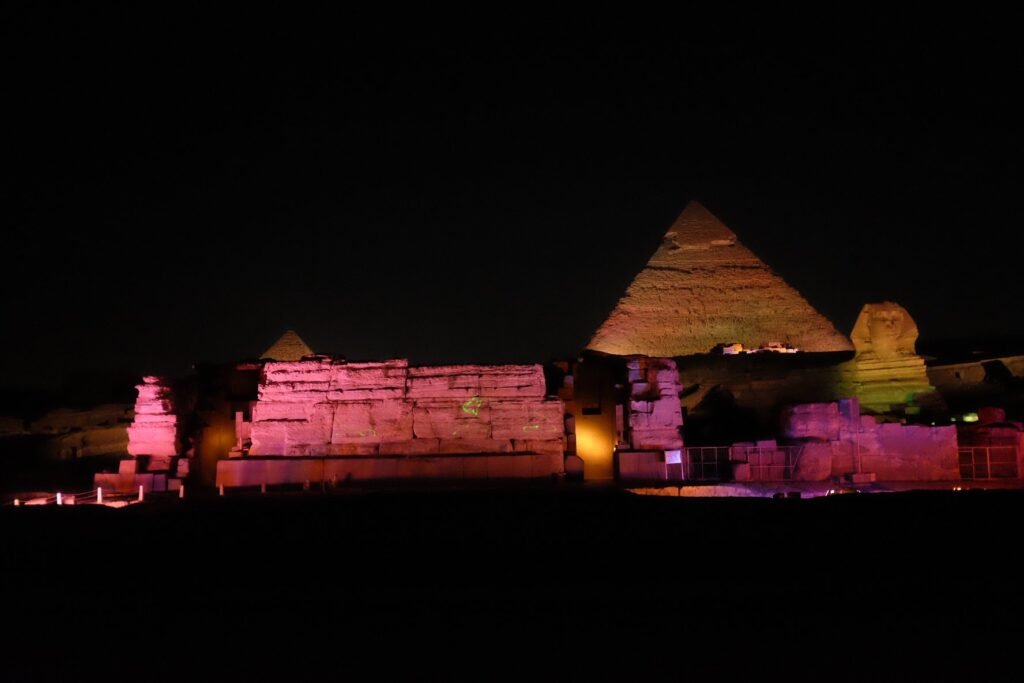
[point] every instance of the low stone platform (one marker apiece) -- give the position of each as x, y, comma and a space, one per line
298, 470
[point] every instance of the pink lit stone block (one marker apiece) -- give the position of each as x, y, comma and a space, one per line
412, 447
372, 421
455, 446
154, 429
527, 420
538, 446
358, 381
451, 420
464, 381
351, 449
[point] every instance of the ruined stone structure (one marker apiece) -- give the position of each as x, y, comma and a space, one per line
154, 431
703, 288
324, 406
837, 442
710, 368
157, 461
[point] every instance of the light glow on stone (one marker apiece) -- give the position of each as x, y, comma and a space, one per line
473, 405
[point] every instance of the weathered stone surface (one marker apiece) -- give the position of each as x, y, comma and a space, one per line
322, 406
891, 451
466, 381
818, 421
814, 462
538, 445
654, 416
155, 429
703, 288
528, 420
450, 420
372, 421
887, 375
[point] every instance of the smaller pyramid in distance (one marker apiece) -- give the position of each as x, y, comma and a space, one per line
289, 347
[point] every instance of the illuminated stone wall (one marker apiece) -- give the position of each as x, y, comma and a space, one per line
838, 441
325, 406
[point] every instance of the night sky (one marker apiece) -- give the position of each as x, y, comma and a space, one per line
181, 188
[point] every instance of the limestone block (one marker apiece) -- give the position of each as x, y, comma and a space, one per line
465, 381
538, 446
813, 462
349, 449
411, 447
453, 446
451, 420
527, 419
278, 410
811, 421
656, 439
316, 371
293, 392
358, 381
372, 421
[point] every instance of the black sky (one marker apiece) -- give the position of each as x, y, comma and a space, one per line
186, 187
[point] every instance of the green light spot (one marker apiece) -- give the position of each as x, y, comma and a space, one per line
473, 405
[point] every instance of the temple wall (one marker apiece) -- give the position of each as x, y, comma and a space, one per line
326, 407
838, 441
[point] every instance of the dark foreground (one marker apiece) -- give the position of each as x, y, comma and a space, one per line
528, 585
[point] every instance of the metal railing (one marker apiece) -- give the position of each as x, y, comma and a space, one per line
988, 462
707, 463
765, 463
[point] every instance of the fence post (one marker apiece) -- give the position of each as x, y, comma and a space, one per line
99, 495
60, 499
142, 494
220, 489
181, 491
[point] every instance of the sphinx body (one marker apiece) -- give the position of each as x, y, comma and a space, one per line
887, 374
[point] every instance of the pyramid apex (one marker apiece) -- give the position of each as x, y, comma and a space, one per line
288, 347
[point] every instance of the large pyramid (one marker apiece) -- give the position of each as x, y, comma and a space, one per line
703, 288
289, 347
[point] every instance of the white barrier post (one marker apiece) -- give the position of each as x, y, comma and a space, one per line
181, 492
17, 502
142, 495
263, 487
99, 495
60, 499
221, 489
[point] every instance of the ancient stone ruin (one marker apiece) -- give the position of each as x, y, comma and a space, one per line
323, 406
154, 431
